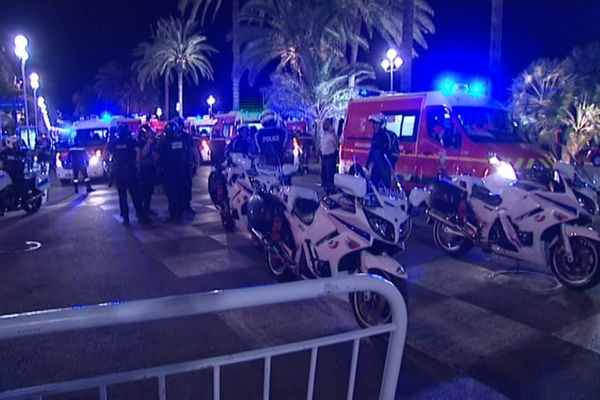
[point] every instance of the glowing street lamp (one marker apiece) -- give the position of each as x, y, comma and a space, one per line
391, 63
159, 112
211, 102
34, 81
21, 44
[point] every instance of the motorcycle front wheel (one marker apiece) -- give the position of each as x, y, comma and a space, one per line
371, 309
451, 244
34, 206
278, 267
584, 271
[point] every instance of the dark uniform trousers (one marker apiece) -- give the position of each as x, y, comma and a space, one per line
146, 189
175, 188
126, 182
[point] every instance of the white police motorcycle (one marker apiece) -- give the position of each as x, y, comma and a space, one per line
348, 232
231, 188
524, 220
27, 195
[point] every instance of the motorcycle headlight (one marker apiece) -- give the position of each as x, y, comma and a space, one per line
503, 169
382, 227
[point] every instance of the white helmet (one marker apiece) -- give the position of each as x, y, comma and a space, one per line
268, 116
378, 118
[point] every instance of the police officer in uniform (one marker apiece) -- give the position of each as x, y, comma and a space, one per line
146, 154
79, 163
242, 143
174, 154
271, 140
124, 170
377, 160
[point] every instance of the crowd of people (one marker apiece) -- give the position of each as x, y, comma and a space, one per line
137, 164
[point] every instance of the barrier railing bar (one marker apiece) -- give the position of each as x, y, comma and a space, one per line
162, 388
189, 366
216, 382
87, 317
353, 365
103, 392
311, 374
267, 379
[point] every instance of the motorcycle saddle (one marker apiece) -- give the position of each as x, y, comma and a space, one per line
484, 194
305, 210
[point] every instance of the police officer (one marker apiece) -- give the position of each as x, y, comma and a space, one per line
12, 160
146, 157
192, 158
394, 150
124, 170
377, 160
79, 163
242, 143
174, 154
271, 140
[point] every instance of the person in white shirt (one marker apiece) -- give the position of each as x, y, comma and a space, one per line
329, 152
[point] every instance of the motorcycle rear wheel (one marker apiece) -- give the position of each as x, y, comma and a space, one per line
584, 271
452, 245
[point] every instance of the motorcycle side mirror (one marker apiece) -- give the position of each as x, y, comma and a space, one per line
353, 185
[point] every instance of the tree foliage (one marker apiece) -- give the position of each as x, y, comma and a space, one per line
553, 96
175, 47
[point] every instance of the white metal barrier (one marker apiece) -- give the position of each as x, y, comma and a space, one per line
110, 314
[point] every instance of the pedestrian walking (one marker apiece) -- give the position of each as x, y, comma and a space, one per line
329, 150
124, 169
79, 163
174, 153
146, 157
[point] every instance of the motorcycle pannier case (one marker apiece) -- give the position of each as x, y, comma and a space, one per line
445, 196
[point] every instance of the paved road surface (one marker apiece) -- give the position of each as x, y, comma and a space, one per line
470, 336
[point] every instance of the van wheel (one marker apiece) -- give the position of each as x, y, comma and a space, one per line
451, 244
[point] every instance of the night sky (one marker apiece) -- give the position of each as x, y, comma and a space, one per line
71, 39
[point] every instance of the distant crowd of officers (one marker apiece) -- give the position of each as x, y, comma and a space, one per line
136, 163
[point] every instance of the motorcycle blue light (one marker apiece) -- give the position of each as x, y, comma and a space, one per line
448, 86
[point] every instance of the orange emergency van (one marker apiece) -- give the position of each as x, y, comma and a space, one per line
453, 132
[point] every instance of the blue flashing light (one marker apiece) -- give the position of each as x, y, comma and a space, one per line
477, 89
448, 87
106, 117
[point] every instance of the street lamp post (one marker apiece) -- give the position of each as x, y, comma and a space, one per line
34, 81
392, 62
211, 102
21, 43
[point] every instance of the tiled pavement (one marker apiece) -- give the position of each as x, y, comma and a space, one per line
500, 337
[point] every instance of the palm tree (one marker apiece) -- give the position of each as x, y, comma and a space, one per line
408, 29
149, 70
193, 6
110, 84
276, 29
176, 47
540, 96
496, 45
